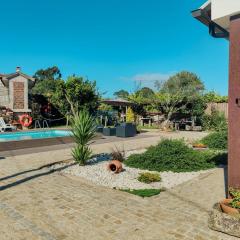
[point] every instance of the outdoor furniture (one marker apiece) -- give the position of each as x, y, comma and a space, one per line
188, 128
100, 129
176, 126
17, 125
126, 130
147, 119
109, 131
4, 127
197, 128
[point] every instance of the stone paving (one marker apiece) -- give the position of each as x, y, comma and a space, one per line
36, 203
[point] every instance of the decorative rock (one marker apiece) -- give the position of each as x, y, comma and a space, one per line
96, 172
222, 222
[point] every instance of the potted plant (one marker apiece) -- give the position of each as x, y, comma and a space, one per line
199, 145
231, 205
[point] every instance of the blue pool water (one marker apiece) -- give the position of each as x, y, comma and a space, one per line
18, 136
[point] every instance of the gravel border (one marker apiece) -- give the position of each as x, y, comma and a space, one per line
96, 172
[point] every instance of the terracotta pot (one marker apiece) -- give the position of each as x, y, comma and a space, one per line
199, 145
226, 208
115, 166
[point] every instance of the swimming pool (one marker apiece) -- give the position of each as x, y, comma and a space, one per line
18, 136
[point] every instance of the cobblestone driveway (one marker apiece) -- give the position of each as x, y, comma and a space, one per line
38, 204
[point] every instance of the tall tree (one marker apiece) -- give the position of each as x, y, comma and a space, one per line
81, 94
46, 80
70, 96
50, 73
177, 93
145, 93
121, 94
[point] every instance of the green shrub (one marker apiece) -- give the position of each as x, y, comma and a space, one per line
147, 177
81, 154
235, 203
143, 192
83, 130
216, 121
176, 156
216, 140
235, 193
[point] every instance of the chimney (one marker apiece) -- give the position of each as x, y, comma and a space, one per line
18, 69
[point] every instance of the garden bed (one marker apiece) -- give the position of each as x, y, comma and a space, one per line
96, 172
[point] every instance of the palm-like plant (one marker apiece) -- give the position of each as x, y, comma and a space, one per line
83, 130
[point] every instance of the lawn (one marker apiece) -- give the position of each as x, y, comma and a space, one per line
143, 192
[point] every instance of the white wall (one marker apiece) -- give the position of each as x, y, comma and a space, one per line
223, 9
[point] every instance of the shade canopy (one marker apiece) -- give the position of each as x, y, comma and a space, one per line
117, 102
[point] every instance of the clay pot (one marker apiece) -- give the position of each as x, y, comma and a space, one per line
226, 208
115, 166
199, 145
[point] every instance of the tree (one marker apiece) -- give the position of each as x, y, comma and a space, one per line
145, 93
121, 94
43, 92
50, 73
213, 97
46, 80
184, 80
130, 118
105, 107
58, 98
177, 93
81, 94
70, 96
143, 99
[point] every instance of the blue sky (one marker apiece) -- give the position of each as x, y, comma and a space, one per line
115, 42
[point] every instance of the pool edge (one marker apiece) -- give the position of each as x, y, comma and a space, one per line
32, 143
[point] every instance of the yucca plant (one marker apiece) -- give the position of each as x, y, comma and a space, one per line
83, 130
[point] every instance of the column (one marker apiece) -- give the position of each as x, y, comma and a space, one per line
234, 104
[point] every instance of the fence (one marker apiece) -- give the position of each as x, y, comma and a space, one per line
221, 107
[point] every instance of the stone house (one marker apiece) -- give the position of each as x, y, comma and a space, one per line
14, 89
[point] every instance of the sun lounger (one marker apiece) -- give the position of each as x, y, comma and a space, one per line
4, 127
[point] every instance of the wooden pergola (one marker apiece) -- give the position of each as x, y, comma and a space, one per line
121, 103
223, 20
118, 102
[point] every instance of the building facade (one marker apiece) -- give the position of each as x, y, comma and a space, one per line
14, 91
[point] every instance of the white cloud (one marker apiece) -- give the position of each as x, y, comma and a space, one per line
152, 77
148, 79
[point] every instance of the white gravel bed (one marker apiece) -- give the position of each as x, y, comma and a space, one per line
96, 172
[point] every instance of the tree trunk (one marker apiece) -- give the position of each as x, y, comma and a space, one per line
74, 113
167, 123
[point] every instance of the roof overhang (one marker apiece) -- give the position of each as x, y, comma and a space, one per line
204, 15
4, 78
117, 102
